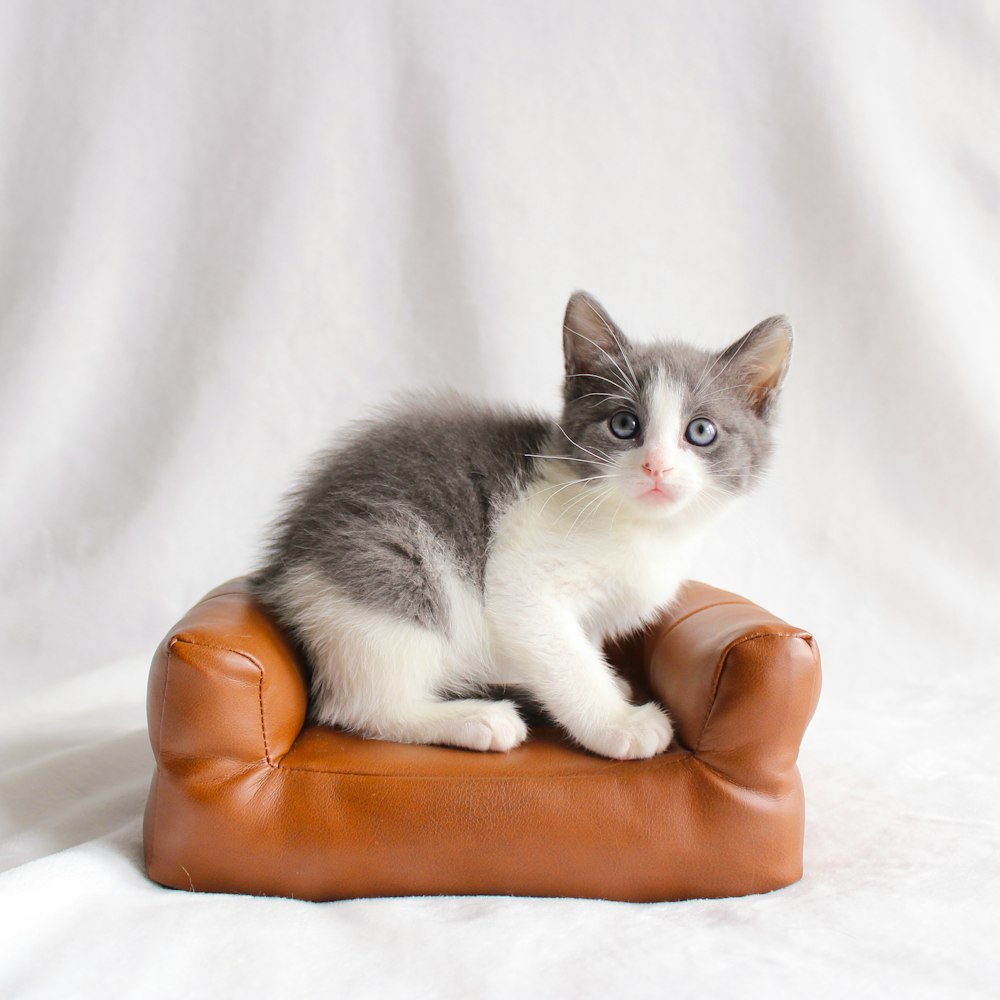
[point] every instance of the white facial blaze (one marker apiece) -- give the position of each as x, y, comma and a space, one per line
665, 460
661, 442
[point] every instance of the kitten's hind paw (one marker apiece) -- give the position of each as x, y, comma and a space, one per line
644, 731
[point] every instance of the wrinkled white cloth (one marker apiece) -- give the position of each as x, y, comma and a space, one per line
228, 229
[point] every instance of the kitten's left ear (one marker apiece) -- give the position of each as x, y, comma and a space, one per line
760, 359
591, 340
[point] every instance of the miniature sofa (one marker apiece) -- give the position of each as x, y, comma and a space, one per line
249, 797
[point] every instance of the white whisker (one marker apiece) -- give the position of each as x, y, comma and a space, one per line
621, 350
601, 378
574, 502
594, 503
609, 395
559, 487
618, 367
736, 354
727, 391
606, 458
709, 365
568, 458
613, 516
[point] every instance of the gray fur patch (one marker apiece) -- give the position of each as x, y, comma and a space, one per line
381, 511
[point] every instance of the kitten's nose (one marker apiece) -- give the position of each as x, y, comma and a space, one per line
656, 467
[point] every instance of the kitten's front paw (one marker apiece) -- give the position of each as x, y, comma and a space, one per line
644, 731
485, 725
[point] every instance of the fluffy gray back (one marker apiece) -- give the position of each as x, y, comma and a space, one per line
380, 510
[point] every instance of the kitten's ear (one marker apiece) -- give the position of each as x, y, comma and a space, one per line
591, 341
759, 360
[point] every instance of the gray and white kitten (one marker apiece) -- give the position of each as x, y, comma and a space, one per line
449, 547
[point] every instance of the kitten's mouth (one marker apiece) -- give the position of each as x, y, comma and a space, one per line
660, 493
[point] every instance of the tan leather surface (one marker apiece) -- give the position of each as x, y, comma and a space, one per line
246, 799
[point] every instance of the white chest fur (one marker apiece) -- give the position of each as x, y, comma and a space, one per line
608, 571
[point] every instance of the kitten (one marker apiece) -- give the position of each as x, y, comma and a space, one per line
450, 547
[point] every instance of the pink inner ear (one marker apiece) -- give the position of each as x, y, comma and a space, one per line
772, 361
764, 358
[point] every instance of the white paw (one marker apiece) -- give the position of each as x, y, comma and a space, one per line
486, 726
643, 731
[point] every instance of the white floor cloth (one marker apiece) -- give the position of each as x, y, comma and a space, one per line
228, 228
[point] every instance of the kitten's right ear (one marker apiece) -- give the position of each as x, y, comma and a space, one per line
591, 340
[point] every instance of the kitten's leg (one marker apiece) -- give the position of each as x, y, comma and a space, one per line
383, 677
550, 655
624, 688
472, 723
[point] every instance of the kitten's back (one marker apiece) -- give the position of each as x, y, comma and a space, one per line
400, 495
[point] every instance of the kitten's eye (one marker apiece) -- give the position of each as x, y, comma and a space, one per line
624, 424
701, 432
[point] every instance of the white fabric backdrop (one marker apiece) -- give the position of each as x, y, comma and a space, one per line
228, 228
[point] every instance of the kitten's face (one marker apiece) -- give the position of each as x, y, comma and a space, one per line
667, 427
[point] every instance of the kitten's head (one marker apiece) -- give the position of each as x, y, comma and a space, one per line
666, 427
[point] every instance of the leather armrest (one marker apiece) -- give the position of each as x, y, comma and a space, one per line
740, 684
225, 685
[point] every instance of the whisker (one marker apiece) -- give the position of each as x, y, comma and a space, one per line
559, 487
736, 354
601, 378
569, 482
609, 395
621, 350
583, 497
737, 471
568, 458
734, 466
613, 516
728, 390
583, 514
601, 495
606, 458
709, 365
621, 371
574, 502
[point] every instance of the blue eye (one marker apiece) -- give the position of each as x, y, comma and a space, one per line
701, 432
624, 424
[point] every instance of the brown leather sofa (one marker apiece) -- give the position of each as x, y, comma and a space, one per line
248, 797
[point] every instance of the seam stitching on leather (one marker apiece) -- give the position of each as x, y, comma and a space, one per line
260, 702
720, 666
465, 777
260, 680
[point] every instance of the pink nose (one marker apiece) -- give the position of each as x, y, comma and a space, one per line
662, 470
